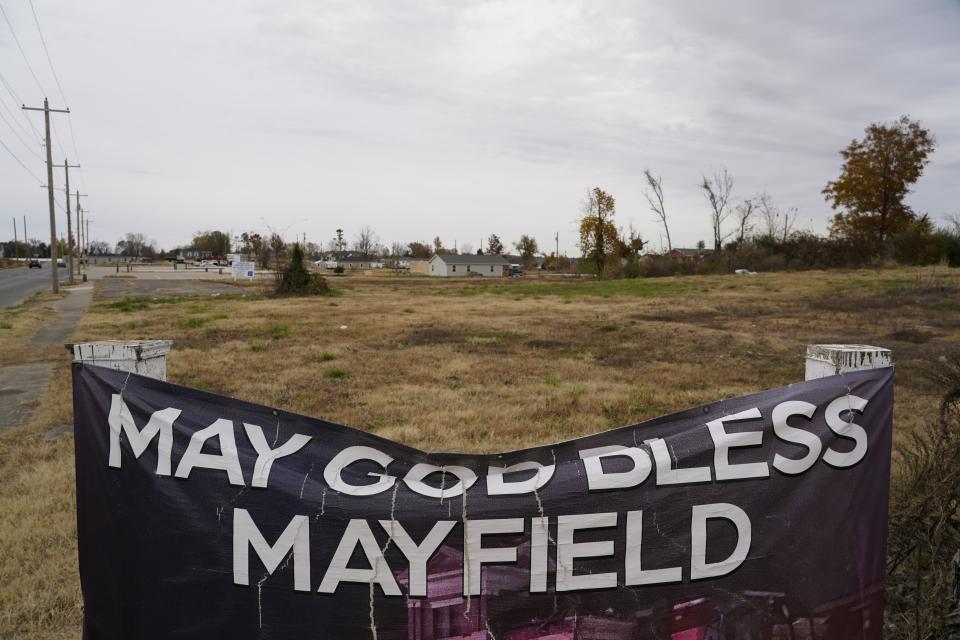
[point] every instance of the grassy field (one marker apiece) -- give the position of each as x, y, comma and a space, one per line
468, 366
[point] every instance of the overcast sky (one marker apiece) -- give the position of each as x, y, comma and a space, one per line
462, 119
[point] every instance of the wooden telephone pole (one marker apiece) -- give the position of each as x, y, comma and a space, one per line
80, 235
66, 192
53, 216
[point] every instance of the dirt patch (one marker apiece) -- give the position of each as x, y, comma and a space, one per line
116, 288
546, 345
431, 335
619, 359
913, 335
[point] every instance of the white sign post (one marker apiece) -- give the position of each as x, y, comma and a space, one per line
243, 269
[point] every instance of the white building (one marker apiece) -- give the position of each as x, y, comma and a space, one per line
467, 265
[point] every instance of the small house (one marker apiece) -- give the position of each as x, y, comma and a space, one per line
468, 265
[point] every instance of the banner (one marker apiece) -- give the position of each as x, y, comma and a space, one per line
758, 517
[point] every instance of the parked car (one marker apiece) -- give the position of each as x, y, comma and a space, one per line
61, 263
34, 264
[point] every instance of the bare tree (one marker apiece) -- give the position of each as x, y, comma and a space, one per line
278, 249
778, 224
790, 216
769, 214
133, 244
367, 241
655, 199
744, 211
955, 222
398, 249
717, 192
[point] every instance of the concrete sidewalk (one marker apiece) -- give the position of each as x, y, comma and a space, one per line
22, 385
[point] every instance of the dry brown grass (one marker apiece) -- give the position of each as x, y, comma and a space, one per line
19, 323
471, 366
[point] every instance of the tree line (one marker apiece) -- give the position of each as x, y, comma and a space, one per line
872, 221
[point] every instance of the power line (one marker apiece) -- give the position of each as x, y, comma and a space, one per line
9, 112
17, 134
43, 41
20, 47
56, 135
66, 103
16, 101
6, 85
20, 162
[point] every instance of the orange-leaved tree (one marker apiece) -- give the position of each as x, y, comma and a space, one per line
876, 177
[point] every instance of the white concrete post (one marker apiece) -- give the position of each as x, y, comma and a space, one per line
144, 357
831, 359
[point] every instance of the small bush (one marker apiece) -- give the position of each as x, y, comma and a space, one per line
326, 356
129, 304
335, 373
278, 331
338, 270
296, 280
6, 325
257, 347
408, 310
193, 323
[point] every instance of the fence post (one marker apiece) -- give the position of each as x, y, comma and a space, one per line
831, 359
144, 357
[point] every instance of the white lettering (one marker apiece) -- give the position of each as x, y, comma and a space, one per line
358, 532
418, 555
414, 480
295, 537
333, 472
227, 460
635, 573
498, 486
266, 455
723, 442
781, 414
475, 556
844, 429
568, 551
160, 423
699, 567
598, 479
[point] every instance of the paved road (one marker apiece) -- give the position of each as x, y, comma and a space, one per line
19, 283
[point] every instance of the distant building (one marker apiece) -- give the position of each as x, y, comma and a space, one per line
689, 254
418, 266
468, 265
350, 262
536, 262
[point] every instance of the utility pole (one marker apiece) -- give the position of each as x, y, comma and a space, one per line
16, 246
557, 254
54, 276
80, 235
26, 239
66, 191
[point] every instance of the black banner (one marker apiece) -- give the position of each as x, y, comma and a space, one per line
201, 516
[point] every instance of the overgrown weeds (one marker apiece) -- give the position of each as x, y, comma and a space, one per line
923, 561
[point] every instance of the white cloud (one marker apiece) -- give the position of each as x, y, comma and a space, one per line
465, 119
